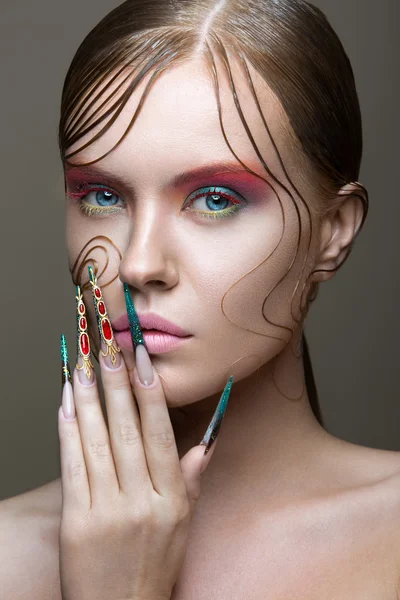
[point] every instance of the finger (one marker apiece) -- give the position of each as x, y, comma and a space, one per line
96, 444
74, 477
125, 429
194, 463
123, 415
158, 434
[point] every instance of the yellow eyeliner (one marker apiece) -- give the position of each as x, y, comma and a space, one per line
216, 214
91, 210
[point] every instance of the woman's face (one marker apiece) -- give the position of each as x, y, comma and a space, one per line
212, 251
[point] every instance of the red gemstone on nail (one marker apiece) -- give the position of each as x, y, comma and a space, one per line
106, 328
82, 323
84, 344
101, 308
97, 293
81, 308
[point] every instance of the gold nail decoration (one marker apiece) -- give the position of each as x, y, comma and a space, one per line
103, 322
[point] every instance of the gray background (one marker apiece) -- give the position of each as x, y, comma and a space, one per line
353, 327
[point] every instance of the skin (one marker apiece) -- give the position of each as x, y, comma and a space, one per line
294, 499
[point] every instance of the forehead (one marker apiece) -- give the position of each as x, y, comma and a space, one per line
179, 123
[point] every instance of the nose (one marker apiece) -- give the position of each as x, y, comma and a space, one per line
148, 261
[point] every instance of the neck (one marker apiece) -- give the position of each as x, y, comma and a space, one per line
268, 439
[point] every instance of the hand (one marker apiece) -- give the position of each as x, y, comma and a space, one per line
127, 498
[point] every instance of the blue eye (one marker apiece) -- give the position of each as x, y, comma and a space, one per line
217, 200
102, 196
104, 202
106, 198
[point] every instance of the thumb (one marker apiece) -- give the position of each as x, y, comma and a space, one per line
195, 461
193, 465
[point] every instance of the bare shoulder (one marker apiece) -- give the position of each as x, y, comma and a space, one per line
29, 526
373, 477
387, 490
351, 528
369, 473
379, 470
380, 498
350, 466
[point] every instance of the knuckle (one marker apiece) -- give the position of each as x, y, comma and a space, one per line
173, 513
141, 517
164, 439
182, 511
79, 529
87, 396
117, 383
69, 433
128, 434
76, 470
99, 449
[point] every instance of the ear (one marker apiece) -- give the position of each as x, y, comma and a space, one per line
338, 230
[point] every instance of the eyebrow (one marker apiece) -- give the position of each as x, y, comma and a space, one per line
207, 171
212, 169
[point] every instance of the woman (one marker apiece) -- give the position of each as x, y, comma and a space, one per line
174, 116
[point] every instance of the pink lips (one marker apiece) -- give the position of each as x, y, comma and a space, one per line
150, 321
164, 335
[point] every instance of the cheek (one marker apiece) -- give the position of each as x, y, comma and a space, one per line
93, 242
250, 277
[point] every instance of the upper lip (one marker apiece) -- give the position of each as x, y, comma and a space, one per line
150, 321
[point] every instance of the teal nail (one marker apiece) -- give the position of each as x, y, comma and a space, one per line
134, 325
65, 371
214, 426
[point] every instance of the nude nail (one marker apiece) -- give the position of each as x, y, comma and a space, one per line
143, 365
68, 404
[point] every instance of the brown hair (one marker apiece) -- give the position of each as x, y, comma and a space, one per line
291, 45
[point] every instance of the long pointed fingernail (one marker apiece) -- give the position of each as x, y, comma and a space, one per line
134, 325
67, 403
65, 370
143, 365
110, 349
84, 364
214, 426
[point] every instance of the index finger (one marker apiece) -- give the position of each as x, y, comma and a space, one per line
158, 434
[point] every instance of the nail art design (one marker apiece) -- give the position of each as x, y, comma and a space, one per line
214, 426
83, 340
65, 371
103, 322
134, 325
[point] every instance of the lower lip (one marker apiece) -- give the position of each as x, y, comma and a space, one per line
156, 342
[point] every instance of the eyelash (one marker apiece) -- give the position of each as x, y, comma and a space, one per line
90, 210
